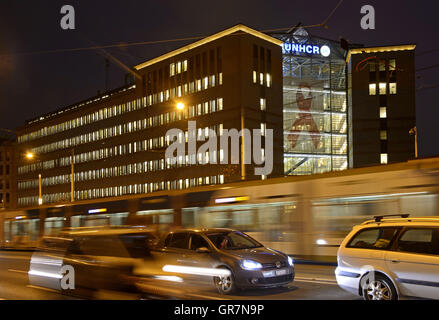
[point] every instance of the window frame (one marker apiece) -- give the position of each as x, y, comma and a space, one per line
172, 238
209, 246
388, 248
401, 234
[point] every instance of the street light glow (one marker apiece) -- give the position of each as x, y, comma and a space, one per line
180, 106
29, 155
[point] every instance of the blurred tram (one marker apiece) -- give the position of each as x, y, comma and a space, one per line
304, 216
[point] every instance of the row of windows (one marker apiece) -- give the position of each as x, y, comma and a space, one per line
124, 190
263, 79
165, 118
120, 150
109, 112
178, 67
4, 198
382, 65
129, 169
6, 170
4, 184
5, 155
382, 88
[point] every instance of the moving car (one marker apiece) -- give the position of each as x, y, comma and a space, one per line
388, 258
250, 264
102, 259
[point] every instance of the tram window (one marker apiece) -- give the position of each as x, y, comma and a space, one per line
7, 230
118, 219
53, 225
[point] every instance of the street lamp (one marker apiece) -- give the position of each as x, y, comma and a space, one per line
31, 156
180, 106
414, 131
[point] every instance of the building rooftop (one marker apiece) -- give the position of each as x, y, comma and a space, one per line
238, 28
402, 47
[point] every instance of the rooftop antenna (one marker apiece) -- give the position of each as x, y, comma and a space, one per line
291, 31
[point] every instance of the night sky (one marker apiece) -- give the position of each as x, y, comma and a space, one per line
34, 84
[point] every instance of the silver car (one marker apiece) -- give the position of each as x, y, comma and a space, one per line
389, 258
248, 262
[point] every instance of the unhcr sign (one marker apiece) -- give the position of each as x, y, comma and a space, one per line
289, 47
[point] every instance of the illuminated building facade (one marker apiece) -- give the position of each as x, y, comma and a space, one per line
382, 105
315, 104
117, 141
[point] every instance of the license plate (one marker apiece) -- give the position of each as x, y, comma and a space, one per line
275, 273
281, 272
269, 274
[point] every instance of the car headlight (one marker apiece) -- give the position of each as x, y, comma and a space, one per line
250, 265
290, 261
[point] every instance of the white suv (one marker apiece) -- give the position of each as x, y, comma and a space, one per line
387, 258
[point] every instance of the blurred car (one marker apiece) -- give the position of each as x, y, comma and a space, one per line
387, 258
102, 259
250, 264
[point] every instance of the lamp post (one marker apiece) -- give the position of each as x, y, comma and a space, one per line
31, 156
414, 131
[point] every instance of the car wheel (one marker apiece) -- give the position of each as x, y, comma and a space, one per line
225, 284
379, 288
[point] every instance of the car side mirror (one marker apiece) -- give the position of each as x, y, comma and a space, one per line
203, 250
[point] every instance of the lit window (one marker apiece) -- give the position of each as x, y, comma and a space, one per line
382, 65
384, 158
255, 77
372, 89
206, 82
172, 69
263, 129
220, 78
268, 80
178, 67
392, 65
383, 88
392, 88
383, 135
263, 104
261, 78
198, 85
184, 65
220, 104
383, 112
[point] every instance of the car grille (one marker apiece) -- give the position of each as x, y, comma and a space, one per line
274, 280
272, 265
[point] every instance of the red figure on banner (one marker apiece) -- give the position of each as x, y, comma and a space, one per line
305, 117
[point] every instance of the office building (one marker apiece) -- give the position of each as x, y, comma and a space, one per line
114, 143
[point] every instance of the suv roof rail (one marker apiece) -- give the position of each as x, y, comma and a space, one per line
379, 218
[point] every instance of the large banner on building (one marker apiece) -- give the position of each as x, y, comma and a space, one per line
304, 116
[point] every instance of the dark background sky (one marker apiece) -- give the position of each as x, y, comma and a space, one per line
34, 84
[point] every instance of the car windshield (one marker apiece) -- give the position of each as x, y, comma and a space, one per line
232, 240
